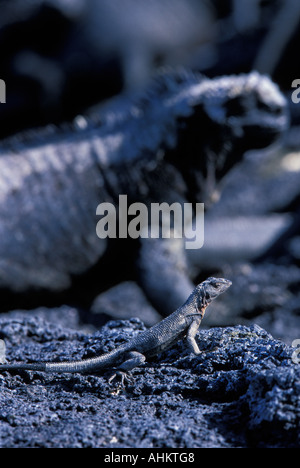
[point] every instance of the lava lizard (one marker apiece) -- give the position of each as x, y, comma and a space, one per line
184, 322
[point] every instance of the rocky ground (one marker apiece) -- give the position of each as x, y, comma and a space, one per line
241, 391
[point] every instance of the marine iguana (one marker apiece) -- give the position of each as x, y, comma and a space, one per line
184, 322
169, 144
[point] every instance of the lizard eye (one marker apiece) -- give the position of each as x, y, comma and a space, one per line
213, 282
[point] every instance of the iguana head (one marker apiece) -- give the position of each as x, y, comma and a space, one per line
250, 105
219, 120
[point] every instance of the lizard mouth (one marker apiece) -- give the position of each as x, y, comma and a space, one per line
264, 131
269, 129
264, 136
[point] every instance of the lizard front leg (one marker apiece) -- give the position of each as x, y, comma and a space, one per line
190, 336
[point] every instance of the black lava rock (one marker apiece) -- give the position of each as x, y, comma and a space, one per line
241, 391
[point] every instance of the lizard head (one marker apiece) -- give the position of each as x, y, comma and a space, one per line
209, 290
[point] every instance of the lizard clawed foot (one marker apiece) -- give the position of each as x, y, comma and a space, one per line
123, 376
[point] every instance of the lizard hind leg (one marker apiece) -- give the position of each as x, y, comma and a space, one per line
133, 360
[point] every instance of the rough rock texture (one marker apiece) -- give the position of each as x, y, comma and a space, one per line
241, 391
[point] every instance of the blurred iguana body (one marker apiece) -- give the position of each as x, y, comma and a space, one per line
172, 143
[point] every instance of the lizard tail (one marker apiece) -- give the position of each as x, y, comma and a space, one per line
16, 367
23, 366
91, 365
